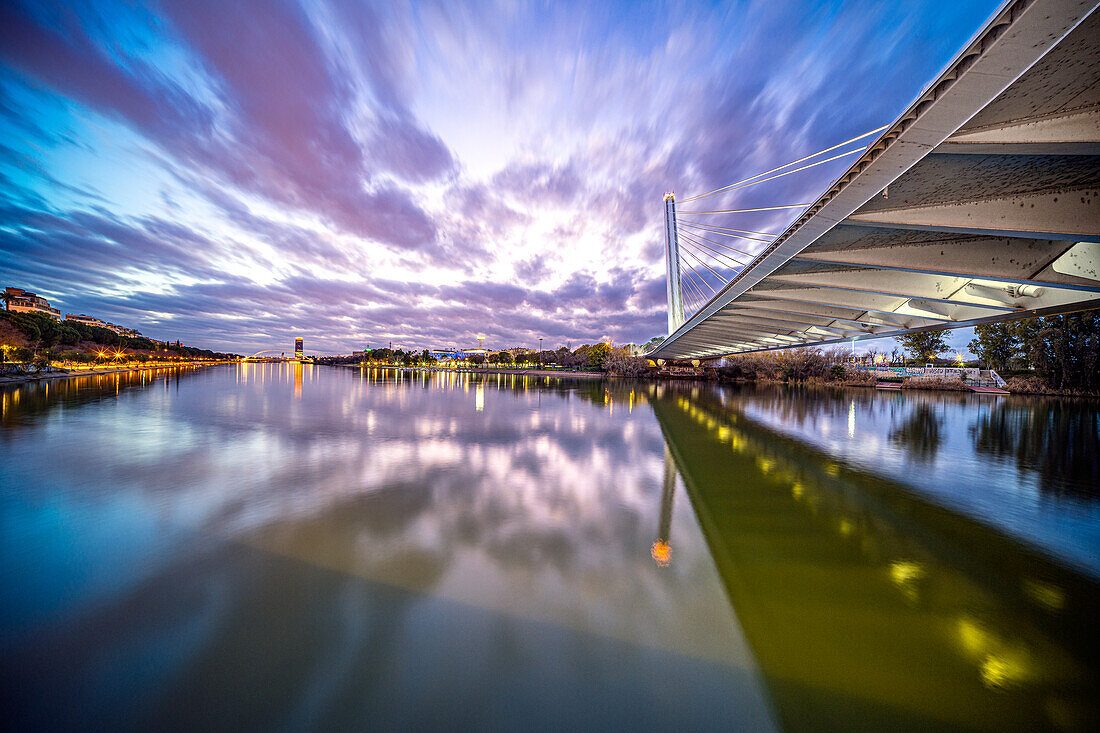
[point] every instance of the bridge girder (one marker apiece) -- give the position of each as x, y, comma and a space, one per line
981, 203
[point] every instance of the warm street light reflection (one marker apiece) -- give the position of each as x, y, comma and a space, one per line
661, 552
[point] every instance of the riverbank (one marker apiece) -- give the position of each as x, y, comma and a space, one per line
49, 376
517, 372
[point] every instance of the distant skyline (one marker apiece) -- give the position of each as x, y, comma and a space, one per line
235, 174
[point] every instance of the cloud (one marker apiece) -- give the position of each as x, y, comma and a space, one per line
238, 173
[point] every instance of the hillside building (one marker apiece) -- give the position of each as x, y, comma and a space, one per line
22, 301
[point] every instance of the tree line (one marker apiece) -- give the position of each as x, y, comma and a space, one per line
1061, 351
596, 357
49, 337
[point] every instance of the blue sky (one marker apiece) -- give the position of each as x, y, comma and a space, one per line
236, 174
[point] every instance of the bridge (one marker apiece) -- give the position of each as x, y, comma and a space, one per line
299, 352
979, 204
265, 351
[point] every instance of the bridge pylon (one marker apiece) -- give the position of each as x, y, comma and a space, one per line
672, 261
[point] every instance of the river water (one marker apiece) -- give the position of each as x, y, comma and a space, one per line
278, 547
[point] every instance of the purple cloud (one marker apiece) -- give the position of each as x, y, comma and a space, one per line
238, 173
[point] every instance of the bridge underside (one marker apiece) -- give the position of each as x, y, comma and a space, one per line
980, 204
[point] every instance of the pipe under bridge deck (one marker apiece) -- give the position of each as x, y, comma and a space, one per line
979, 204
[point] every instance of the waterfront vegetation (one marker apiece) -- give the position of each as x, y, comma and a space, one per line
599, 357
1041, 355
38, 339
1050, 355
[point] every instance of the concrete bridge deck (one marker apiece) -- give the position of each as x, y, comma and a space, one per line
981, 203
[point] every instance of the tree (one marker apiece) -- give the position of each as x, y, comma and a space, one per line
997, 345
597, 354
477, 359
924, 345
1064, 350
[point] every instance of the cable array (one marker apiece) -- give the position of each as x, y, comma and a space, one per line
752, 180
709, 261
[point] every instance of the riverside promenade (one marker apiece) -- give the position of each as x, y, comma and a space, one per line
77, 372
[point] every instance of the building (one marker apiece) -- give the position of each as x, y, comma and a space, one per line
299, 348
21, 301
93, 321
87, 320
456, 354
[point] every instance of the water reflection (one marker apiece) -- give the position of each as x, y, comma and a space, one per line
299, 546
305, 547
1030, 466
920, 433
662, 546
20, 403
1058, 438
865, 603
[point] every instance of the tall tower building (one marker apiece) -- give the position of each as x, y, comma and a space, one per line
299, 348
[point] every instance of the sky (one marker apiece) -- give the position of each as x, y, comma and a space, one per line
235, 174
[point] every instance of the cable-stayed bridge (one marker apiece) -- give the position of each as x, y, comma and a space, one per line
980, 203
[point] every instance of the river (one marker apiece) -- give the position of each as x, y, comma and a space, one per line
296, 547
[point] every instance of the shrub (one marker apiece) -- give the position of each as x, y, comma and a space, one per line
1027, 385
625, 366
860, 378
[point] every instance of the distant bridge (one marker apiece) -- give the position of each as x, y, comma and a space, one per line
265, 351
296, 357
979, 204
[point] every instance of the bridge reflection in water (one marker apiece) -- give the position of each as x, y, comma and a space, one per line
270, 543
864, 602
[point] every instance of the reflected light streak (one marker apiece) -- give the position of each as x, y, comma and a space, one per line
661, 552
